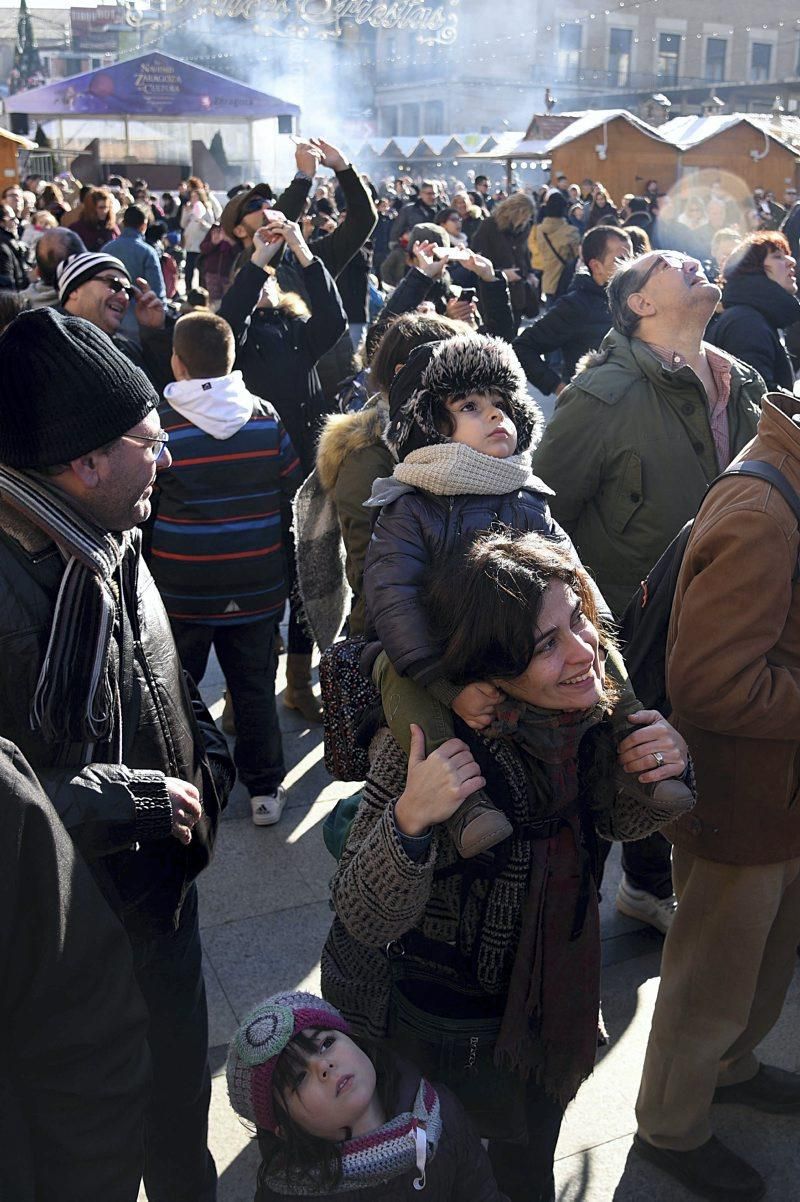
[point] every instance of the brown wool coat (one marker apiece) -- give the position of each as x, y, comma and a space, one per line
733, 659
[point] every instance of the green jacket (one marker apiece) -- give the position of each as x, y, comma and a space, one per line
629, 453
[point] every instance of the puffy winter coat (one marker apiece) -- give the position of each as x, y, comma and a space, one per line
350, 458
278, 351
110, 809
13, 253
459, 1172
414, 530
507, 248
577, 322
755, 310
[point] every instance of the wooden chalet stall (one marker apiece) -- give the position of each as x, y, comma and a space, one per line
531, 150
617, 149
751, 146
10, 146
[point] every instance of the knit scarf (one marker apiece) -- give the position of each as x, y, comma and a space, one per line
402, 1145
76, 698
451, 469
549, 1025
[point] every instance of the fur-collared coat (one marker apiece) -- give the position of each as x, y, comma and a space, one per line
351, 455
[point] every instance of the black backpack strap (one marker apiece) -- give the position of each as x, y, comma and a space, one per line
772, 475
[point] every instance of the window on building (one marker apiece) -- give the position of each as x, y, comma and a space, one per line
434, 117
409, 120
716, 50
387, 120
669, 52
619, 57
569, 51
760, 61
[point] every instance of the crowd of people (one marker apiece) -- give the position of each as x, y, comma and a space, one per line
323, 401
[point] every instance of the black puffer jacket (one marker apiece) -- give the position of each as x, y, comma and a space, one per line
113, 811
576, 323
277, 352
755, 310
13, 276
415, 529
459, 1172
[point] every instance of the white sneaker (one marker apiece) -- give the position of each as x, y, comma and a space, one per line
638, 903
268, 807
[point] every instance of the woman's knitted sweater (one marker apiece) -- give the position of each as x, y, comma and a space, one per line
379, 894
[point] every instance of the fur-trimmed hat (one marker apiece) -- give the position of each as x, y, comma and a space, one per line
447, 371
259, 1042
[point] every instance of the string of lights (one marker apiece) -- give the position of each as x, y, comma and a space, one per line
462, 49
622, 8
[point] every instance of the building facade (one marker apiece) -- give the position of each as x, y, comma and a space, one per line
495, 72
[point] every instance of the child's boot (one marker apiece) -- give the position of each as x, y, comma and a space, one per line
477, 825
673, 796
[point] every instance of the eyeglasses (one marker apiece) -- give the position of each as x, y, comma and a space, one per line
667, 259
156, 445
117, 285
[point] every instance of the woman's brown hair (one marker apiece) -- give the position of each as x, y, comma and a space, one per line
90, 207
401, 337
484, 604
749, 256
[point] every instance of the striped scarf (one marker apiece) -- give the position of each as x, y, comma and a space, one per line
76, 698
404, 1144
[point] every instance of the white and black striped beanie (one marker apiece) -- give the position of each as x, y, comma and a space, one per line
79, 269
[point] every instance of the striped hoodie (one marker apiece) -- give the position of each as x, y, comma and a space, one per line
218, 550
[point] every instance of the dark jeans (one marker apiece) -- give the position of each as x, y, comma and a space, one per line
192, 257
246, 655
645, 862
524, 1171
178, 1166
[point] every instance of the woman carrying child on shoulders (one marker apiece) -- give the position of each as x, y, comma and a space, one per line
466, 900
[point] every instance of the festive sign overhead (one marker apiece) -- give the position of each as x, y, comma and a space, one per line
151, 85
325, 18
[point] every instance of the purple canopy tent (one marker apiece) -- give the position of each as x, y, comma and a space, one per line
153, 92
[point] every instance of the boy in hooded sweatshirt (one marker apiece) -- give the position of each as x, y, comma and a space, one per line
219, 540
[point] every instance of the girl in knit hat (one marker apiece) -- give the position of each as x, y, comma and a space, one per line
338, 1118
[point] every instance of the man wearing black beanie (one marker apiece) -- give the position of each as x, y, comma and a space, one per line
92, 692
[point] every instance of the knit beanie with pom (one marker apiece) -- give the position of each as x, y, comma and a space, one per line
257, 1046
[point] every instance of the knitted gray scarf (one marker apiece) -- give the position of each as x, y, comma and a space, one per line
76, 698
454, 469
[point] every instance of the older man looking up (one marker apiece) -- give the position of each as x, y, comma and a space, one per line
92, 692
640, 433
634, 442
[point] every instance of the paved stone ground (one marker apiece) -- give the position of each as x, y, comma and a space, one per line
264, 917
